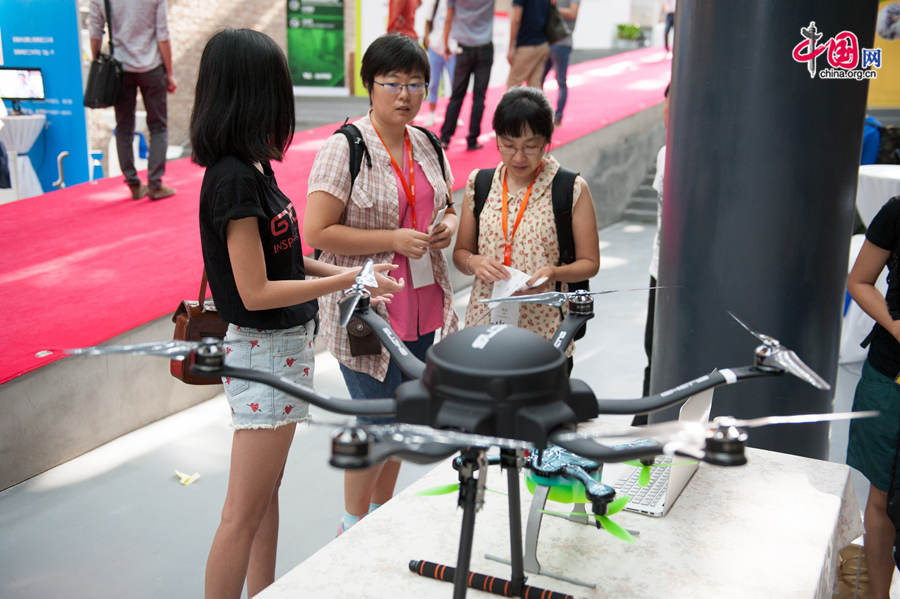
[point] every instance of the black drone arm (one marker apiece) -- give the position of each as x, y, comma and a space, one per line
410, 365
593, 450
355, 407
426, 453
676, 395
567, 330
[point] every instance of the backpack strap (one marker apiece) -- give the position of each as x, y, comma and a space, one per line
562, 195
483, 180
438, 148
358, 149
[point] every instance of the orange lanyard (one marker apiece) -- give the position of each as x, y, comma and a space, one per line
507, 239
408, 188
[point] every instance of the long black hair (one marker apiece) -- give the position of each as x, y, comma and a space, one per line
244, 99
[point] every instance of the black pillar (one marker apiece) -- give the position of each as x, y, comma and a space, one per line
760, 186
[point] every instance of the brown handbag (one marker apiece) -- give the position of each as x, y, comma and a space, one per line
193, 322
363, 341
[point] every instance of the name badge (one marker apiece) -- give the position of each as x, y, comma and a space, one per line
420, 271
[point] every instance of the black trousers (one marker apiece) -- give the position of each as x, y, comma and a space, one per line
648, 346
473, 61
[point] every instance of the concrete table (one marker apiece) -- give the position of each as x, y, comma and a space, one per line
772, 528
18, 134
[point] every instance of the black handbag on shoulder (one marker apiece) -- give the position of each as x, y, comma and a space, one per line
555, 28
104, 83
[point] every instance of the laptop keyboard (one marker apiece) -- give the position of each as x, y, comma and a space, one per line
652, 495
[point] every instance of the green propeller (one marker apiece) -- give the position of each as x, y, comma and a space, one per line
607, 524
644, 476
447, 489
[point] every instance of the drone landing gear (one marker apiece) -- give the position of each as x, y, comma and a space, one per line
471, 498
532, 531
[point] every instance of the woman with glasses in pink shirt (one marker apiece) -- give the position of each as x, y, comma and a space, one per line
398, 209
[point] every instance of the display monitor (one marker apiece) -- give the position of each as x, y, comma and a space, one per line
21, 83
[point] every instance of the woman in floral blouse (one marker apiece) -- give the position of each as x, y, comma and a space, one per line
520, 197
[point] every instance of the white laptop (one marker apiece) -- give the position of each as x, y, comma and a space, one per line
666, 482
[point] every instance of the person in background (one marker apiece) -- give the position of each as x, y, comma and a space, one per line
471, 24
398, 210
141, 43
559, 57
528, 47
243, 117
668, 13
433, 40
402, 17
658, 181
521, 189
872, 443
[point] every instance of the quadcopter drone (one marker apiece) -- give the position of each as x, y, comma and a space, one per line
499, 386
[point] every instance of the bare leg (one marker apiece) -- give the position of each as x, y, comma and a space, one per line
261, 569
358, 485
257, 461
878, 544
387, 480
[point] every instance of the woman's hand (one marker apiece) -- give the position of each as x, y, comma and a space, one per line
387, 285
487, 269
441, 234
410, 242
541, 277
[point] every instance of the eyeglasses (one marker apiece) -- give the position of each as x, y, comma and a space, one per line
414, 89
530, 150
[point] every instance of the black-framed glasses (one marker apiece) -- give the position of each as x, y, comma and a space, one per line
530, 149
414, 89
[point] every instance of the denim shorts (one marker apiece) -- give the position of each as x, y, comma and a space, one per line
286, 353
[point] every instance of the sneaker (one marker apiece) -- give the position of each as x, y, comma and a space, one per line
473, 147
557, 121
429, 120
158, 193
445, 144
138, 190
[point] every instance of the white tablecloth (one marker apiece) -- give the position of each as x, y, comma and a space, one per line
770, 529
877, 184
18, 134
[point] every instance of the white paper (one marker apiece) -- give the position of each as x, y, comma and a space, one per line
508, 312
420, 271
437, 219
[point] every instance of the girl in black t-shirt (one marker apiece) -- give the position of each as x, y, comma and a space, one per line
872, 443
243, 117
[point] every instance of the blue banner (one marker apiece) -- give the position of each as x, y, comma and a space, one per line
44, 34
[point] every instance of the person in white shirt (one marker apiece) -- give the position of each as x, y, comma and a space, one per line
654, 259
433, 40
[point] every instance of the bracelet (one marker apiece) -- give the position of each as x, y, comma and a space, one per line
469, 268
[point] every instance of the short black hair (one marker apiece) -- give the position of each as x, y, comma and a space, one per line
393, 52
244, 99
523, 106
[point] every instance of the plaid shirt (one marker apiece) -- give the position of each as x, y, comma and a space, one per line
374, 204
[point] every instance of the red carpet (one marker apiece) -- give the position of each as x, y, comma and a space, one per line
84, 264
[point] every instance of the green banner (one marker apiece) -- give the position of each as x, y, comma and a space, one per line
315, 42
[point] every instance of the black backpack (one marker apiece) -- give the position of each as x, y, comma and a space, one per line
358, 149
561, 192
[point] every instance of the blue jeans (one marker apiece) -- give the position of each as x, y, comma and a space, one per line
559, 60
438, 65
362, 386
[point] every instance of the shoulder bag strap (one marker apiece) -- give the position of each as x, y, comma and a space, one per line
202, 298
109, 26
